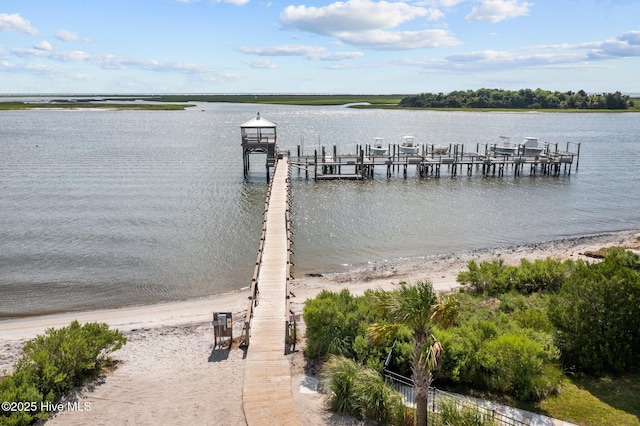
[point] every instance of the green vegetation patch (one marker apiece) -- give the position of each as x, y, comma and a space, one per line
595, 401
52, 365
558, 338
88, 105
286, 99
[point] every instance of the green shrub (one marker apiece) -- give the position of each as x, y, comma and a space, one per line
505, 348
597, 315
338, 376
489, 278
511, 363
494, 278
333, 320
361, 392
54, 363
451, 414
374, 399
527, 311
336, 324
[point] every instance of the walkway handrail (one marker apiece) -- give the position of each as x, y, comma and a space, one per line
254, 291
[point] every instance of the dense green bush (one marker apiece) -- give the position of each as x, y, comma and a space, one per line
361, 392
336, 324
597, 315
54, 363
495, 278
503, 346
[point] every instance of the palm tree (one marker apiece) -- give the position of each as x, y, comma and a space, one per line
417, 308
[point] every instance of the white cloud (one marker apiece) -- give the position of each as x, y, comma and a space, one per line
498, 10
66, 35
115, 62
583, 55
369, 24
339, 56
236, 2
261, 64
28, 68
626, 45
63, 56
441, 3
43, 45
489, 59
352, 16
15, 22
400, 40
282, 50
310, 52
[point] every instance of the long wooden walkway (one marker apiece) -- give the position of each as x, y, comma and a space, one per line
267, 393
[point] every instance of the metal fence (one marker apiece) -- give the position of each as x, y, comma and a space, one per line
493, 413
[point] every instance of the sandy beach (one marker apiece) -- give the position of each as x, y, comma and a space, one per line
169, 371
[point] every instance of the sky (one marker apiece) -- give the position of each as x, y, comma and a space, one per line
317, 46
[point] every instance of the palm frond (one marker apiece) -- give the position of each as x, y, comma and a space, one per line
430, 355
445, 312
380, 333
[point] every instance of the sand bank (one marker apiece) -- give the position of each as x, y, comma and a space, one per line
169, 371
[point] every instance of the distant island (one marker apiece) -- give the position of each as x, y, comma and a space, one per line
476, 100
520, 99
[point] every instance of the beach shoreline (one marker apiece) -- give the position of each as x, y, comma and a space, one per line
173, 342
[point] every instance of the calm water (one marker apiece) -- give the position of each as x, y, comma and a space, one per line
108, 208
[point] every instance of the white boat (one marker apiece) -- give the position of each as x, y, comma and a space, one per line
530, 146
408, 147
377, 148
504, 147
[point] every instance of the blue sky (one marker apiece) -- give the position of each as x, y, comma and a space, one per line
317, 46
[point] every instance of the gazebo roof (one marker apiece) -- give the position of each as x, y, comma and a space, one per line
258, 122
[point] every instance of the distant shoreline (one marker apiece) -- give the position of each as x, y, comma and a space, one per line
181, 102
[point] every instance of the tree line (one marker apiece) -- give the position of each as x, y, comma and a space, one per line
519, 99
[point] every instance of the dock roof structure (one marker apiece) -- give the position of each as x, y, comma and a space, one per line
257, 122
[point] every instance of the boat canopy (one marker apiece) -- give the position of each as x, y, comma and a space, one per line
408, 140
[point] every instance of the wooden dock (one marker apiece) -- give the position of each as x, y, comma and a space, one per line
456, 162
267, 393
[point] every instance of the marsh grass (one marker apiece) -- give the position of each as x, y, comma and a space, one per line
87, 105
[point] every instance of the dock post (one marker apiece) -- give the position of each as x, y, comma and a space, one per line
315, 164
268, 172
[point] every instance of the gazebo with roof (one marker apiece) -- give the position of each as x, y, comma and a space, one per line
258, 137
